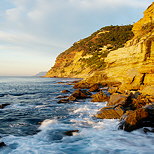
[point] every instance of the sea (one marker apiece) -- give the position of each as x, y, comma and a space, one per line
34, 123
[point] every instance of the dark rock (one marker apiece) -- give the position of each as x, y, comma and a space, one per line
63, 101
142, 117
72, 98
82, 85
2, 144
81, 94
3, 105
65, 91
95, 88
70, 132
110, 112
148, 130
100, 97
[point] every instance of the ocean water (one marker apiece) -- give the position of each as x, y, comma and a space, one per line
34, 123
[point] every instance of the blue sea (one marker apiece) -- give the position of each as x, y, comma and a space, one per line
34, 123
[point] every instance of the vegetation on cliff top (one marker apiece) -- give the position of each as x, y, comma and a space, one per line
117, 36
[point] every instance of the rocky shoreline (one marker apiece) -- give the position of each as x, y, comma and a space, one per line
133, 109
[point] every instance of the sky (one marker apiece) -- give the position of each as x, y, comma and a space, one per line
34, 32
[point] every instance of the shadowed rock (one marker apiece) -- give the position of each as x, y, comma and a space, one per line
70, 132
3, 105
2, 144
63, 101
142, 117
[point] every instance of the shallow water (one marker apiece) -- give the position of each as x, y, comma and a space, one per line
34, 123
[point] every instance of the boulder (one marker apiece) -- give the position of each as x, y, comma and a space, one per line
72, 98
70, 132
2, 144
100, 97
116, 99
142, 117
3, 105
65, 91
81, 94
95, 88
63, 101
110, 112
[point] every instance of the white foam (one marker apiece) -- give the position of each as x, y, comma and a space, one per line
46, 123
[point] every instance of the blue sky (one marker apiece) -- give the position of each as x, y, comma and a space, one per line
34, 32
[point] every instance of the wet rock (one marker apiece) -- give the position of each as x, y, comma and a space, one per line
100, 97
72, 98
110, 112
120, 99
95, 88
142, 117
148, 130
65, 91
2, 144
70, 132
63, 101
81, 94
3, 105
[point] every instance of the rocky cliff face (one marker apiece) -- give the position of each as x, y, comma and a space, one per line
131, 65
87, 56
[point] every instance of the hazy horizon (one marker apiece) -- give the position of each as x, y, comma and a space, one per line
34, 32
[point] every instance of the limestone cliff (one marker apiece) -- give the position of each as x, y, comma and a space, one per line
131, 65
87, 55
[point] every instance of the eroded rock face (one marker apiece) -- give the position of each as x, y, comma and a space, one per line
110, 112
142, 117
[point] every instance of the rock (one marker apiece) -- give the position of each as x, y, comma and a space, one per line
65, 91
82, 85
3, 105
100, 97
116, 99
110, 112
95, 88
142, 117
63, 101
70, 132
148, 130
139, 102
72, 98
2, 144
81, 94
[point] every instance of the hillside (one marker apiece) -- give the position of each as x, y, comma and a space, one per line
113, 54
87, 55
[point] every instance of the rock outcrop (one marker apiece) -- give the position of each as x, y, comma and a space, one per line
128, 68
132, 65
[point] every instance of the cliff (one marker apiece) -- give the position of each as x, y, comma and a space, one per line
87, 55
131, 65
